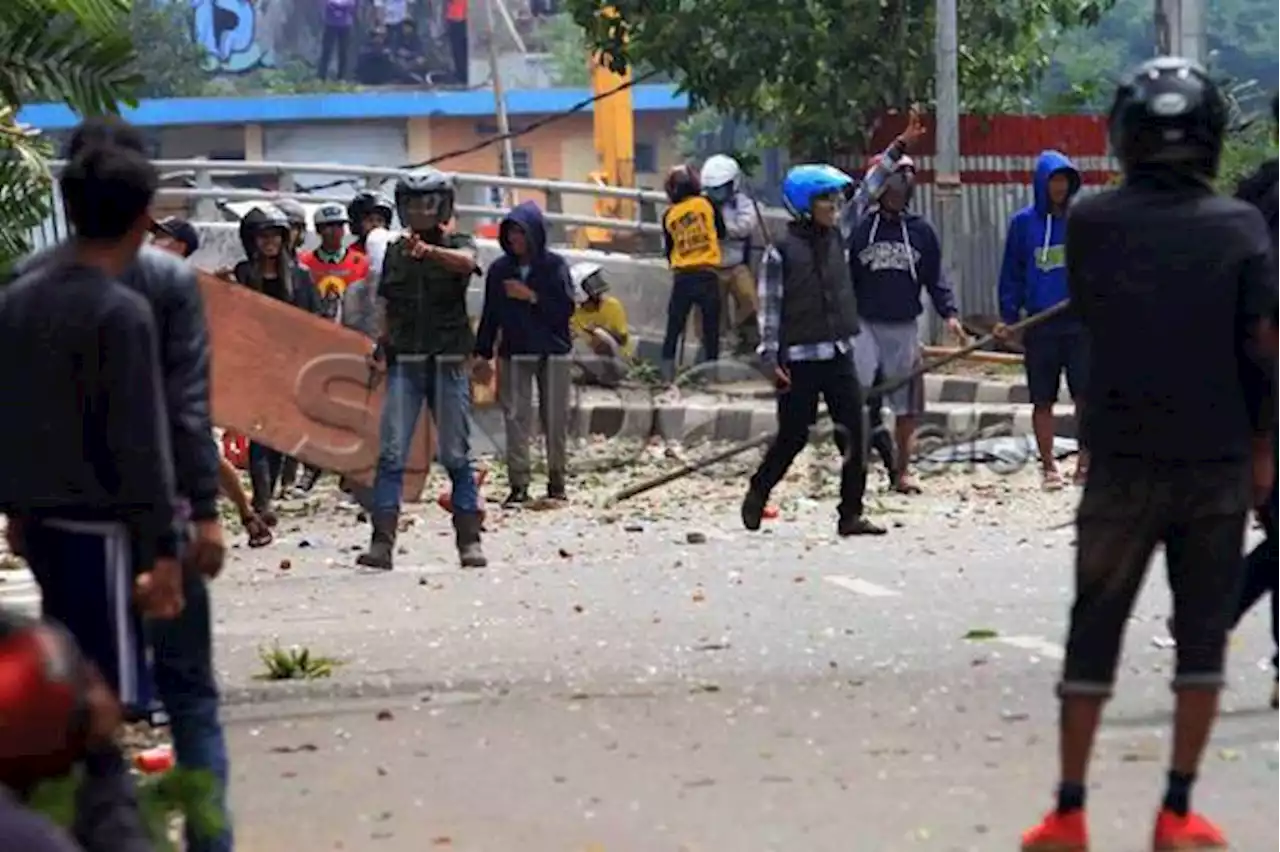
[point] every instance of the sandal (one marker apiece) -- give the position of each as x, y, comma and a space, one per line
259, 533
904, 485
1051, 480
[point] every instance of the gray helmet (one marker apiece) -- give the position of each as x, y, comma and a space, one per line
367, 201
261, 218
330, 214
426, 181
292, 211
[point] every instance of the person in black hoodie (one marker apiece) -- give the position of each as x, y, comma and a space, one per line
265, 234
1180, 434
528, 301
893, 254
1259, 189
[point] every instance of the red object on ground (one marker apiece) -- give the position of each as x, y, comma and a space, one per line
445, 500
769, 513
235, 449
153, 761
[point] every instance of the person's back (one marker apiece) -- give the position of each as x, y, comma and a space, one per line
1161, 295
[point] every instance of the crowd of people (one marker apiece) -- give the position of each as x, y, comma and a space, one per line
113, 476
392, 50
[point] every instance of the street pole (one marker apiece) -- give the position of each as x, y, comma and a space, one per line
946, 163
1180, 29
500, 103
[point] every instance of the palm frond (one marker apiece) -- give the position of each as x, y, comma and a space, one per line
49, 55
25, 184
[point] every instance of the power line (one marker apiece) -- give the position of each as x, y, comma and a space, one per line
499, 138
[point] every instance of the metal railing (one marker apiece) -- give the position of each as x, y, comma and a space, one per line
203, 173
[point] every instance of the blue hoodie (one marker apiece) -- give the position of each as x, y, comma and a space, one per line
1033, 276
527, 328
890, 260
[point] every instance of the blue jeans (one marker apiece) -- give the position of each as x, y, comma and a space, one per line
182, 665
446, 389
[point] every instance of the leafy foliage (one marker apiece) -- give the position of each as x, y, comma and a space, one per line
77, 51
161, 798
1241, 35
295, 663
171, 62
814, 72
567, 49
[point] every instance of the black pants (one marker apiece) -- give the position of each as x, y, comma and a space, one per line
335, 39
1260, 578
836, 382
1198, 511
457, 32
265, 467
700, 288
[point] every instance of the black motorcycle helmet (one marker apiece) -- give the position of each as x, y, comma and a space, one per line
1169, 111
259, 219
365, 202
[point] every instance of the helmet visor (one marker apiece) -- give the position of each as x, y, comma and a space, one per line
425, 210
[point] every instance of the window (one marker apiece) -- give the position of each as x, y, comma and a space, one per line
522, 159
646, 157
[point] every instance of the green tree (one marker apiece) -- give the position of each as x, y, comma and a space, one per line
78, 51
566, 51
816, 72
172, 64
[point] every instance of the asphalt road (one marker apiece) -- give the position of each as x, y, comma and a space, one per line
608, 685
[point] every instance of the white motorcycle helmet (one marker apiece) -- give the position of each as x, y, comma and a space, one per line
720, 176
587, 281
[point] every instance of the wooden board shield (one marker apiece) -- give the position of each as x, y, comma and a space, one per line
299, 384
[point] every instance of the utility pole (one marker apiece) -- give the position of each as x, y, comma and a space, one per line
1180, 29
500, 102
946, 161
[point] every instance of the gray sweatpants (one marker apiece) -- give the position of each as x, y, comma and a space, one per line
517, 378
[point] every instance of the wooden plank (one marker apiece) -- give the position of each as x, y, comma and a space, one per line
299, 384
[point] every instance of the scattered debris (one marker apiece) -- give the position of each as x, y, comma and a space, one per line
978, 634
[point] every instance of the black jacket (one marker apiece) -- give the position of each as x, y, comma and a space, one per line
1171, 280
169, 285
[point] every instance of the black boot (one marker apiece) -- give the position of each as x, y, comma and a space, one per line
857, 525
518, 497
382, 545
466, 529
310, 477
555, 486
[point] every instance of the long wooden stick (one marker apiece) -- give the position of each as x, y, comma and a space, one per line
882, 389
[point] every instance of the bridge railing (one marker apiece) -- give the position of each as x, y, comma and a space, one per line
206, 193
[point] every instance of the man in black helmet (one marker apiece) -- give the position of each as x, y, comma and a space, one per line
425, 337
1181, 435
270, 269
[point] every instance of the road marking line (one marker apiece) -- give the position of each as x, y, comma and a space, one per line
1035, 644
861, 587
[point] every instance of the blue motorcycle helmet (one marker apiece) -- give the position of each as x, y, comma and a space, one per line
805, 183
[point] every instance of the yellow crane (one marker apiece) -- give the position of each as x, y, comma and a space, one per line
613, 123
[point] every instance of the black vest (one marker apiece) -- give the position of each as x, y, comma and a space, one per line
817, 291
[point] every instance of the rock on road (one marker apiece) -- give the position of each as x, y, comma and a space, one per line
653, 678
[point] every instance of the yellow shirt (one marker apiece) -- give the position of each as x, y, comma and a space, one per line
609, 315
692, 234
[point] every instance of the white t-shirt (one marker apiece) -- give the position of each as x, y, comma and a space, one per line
394, 12
375, 247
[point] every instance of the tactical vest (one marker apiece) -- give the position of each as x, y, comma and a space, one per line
818, 305
426, 303
691, 226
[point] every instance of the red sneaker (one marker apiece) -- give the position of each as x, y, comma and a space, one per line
1174, 833
1058, 833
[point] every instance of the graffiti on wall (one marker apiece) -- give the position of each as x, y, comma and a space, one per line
233, 33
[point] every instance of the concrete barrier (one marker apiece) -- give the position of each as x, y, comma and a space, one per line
643, 284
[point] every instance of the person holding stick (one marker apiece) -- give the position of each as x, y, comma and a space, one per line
1180, 435
808, 320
